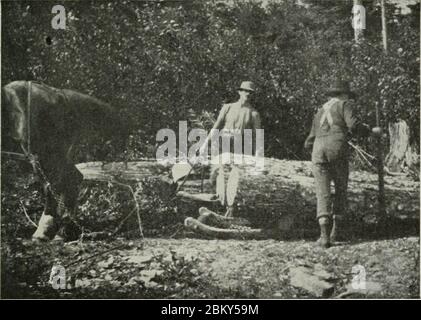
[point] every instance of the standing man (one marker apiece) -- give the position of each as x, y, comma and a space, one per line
235, 117
332, 126
232, 120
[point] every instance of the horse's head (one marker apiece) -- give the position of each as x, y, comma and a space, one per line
12, 117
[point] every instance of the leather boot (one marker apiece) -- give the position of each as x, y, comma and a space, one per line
324, 240
337, 233
230, 212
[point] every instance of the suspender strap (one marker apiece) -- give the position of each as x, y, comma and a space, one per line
327, 116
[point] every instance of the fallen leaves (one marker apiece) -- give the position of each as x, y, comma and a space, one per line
106, 264
186, 268
316, 280
139, 259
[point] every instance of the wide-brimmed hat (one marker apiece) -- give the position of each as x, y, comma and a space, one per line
247, 86
340, 87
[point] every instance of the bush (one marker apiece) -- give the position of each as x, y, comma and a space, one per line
156, 61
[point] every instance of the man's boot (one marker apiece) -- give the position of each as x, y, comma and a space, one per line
230, 212
324, 240
337, 233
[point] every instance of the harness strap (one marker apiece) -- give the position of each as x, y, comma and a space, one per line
327, 116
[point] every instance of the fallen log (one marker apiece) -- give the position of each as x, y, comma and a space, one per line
124, 171
217, 226
211, 218
237, 233
204, 197
282, 193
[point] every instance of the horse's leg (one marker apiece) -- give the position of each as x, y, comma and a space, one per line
71, 180
49, 222
47, 225
56, 215
54, 205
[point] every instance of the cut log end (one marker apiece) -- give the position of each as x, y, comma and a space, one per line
241, 233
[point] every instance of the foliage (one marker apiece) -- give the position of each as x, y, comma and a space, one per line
156, 61
19, 193
103, 207
160, 63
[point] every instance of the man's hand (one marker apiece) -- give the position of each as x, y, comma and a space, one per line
377, 131
203, 150
308, 145
365, 130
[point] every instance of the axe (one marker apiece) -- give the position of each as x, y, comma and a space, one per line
183, 170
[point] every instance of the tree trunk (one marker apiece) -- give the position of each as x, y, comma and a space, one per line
402, 155
384, 26
358, 20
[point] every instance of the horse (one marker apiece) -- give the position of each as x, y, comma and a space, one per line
45, 123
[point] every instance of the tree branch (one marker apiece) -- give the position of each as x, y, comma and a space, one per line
27, 216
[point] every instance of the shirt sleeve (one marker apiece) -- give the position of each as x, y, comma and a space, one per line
311, 137
354, 126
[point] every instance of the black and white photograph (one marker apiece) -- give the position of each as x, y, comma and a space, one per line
217, 149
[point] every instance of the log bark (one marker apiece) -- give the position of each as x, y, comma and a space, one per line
130, 171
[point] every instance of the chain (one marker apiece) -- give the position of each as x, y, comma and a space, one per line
56, 196
35, 163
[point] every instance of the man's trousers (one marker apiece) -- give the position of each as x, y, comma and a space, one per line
330, 163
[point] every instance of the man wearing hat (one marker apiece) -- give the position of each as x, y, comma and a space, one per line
332, 126
237, 116
232, 120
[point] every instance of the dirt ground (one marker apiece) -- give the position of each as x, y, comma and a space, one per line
198, 268
179, 264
